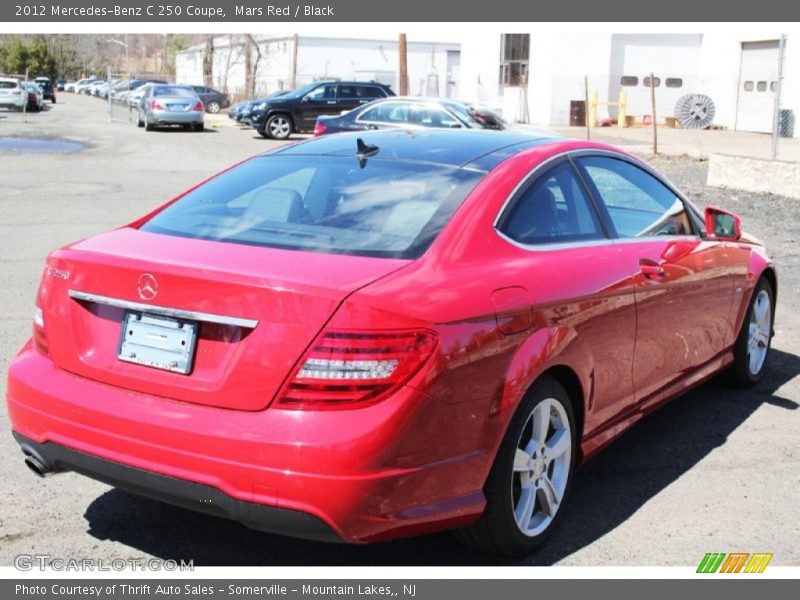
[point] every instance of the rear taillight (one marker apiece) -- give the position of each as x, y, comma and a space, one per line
39, 333
155, 105
350, 369
198, 107
319, 129
31, 97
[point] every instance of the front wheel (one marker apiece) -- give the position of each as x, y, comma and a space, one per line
279, 127
531, 475
751, 349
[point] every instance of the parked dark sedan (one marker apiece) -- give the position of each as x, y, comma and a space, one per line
410, 112
278, 118
213, 100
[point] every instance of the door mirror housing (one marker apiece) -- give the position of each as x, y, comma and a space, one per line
722, 225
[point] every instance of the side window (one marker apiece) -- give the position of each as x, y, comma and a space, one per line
638, 204
553, 209
392, 112
369, 91
432, 116
323, 92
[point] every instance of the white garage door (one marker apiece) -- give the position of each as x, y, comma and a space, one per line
673, 58
757, 82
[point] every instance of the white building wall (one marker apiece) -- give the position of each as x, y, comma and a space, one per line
573, 57
480, 60
189, 67
790, 94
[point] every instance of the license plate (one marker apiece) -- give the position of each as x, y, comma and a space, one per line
178, 107
158, 342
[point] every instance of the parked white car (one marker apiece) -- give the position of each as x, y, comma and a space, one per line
83, 88
12, 95
136, 94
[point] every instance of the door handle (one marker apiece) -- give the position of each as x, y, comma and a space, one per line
331, 101
651, 269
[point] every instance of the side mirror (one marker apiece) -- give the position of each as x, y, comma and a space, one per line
722, 225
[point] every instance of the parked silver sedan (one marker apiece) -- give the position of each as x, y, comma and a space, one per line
165, 104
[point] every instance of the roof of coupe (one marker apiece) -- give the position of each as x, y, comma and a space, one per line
476, 149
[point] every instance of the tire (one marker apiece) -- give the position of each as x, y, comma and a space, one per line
199, 127
148, 126
213, 107
53, 100
527, 479
278, 127
139, 122
751, 349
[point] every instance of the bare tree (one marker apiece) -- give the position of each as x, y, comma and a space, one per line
208, 61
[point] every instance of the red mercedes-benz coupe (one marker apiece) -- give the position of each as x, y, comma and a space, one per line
361, 338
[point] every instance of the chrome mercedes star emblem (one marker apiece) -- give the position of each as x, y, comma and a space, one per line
148, 287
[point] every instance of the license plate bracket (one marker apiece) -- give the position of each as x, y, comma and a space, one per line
158, 342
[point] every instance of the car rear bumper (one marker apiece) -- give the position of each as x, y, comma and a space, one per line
180, 492
14, 102
176, 118
374, 473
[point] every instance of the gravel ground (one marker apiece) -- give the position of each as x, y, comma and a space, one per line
716, 470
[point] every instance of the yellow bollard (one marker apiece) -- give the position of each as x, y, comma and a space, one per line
623, 105
593, 110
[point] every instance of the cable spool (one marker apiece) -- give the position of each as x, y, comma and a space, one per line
695, 111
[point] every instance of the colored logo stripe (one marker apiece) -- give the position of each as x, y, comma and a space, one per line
734, 562
758, 562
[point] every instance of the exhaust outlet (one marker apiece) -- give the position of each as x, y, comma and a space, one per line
37, 464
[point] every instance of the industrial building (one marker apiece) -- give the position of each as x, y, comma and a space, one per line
535, 76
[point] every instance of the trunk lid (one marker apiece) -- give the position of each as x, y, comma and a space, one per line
256, 310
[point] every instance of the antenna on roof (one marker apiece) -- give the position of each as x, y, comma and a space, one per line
364, 151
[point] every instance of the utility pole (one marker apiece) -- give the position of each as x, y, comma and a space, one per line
294, 61
776, 116
586, 111
653, 104
402, 51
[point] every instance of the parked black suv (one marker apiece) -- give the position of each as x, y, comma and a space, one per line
278, 118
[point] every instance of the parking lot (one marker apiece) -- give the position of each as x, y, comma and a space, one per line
715, 471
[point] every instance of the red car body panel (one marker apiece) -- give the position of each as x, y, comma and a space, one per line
503, 315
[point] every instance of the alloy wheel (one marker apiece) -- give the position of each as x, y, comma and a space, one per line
279, 127
541, 467
759, 332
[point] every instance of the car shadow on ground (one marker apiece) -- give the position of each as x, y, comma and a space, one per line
606, 492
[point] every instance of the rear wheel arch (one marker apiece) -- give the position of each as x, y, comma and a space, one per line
771, 276
567, 377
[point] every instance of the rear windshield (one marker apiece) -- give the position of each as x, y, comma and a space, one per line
172, 91
383, 208
8, 85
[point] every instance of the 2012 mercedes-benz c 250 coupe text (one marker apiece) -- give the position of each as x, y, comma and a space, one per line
375, 335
